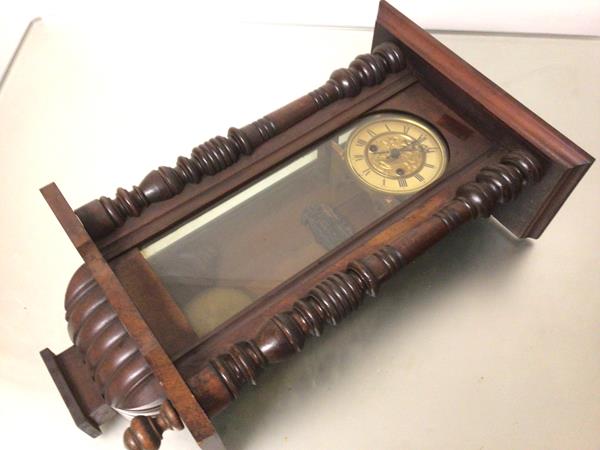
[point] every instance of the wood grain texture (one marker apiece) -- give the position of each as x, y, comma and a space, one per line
79, 392
145, 433
101, 217
162, 367
482, 102
196, 198
158, 309
130, 357
469, 153
341, 293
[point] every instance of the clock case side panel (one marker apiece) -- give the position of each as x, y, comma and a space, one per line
485, 105
128, 304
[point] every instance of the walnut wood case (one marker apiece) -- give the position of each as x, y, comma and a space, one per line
134, 350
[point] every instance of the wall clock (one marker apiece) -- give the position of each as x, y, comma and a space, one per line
207, 272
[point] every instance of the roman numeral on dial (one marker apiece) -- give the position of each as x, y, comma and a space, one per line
385, 153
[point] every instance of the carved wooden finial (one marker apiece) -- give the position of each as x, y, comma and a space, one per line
145, 433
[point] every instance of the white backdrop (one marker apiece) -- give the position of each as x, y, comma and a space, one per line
578, 17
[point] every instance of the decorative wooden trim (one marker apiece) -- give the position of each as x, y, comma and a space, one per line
195, 199
102, 216
116, 367
468, 79
462, 168
112, 357
327, 303
485, 103
336, 296
220, 381
176, 389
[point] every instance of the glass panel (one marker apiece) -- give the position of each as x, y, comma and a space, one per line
225, 258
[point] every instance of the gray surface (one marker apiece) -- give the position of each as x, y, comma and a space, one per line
484, 342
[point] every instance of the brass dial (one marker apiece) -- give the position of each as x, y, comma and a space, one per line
396, 153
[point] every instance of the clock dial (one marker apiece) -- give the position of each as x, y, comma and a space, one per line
396, 153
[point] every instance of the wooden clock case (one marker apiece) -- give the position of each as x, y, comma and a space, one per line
135, 351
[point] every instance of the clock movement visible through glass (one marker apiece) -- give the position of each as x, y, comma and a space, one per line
225, 258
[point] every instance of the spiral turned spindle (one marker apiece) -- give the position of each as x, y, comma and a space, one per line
343, 292
145, 433
496, 184
102, 216
327, 303
330, 301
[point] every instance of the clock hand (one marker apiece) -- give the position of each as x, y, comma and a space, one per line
409, 147
373, 149
395, 152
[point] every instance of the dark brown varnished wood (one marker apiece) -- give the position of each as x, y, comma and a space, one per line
133, 345
220, 381
195, 198
79, 392
494, 112
396, 223
177, 391
102, 216
335, 297
116, 365
167, 323
145, 433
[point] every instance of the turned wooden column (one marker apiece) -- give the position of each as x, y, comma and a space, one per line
104, 215
330, 301
334, 298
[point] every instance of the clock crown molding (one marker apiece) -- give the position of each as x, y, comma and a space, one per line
496, 113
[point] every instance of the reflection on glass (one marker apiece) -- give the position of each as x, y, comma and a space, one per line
225, 258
